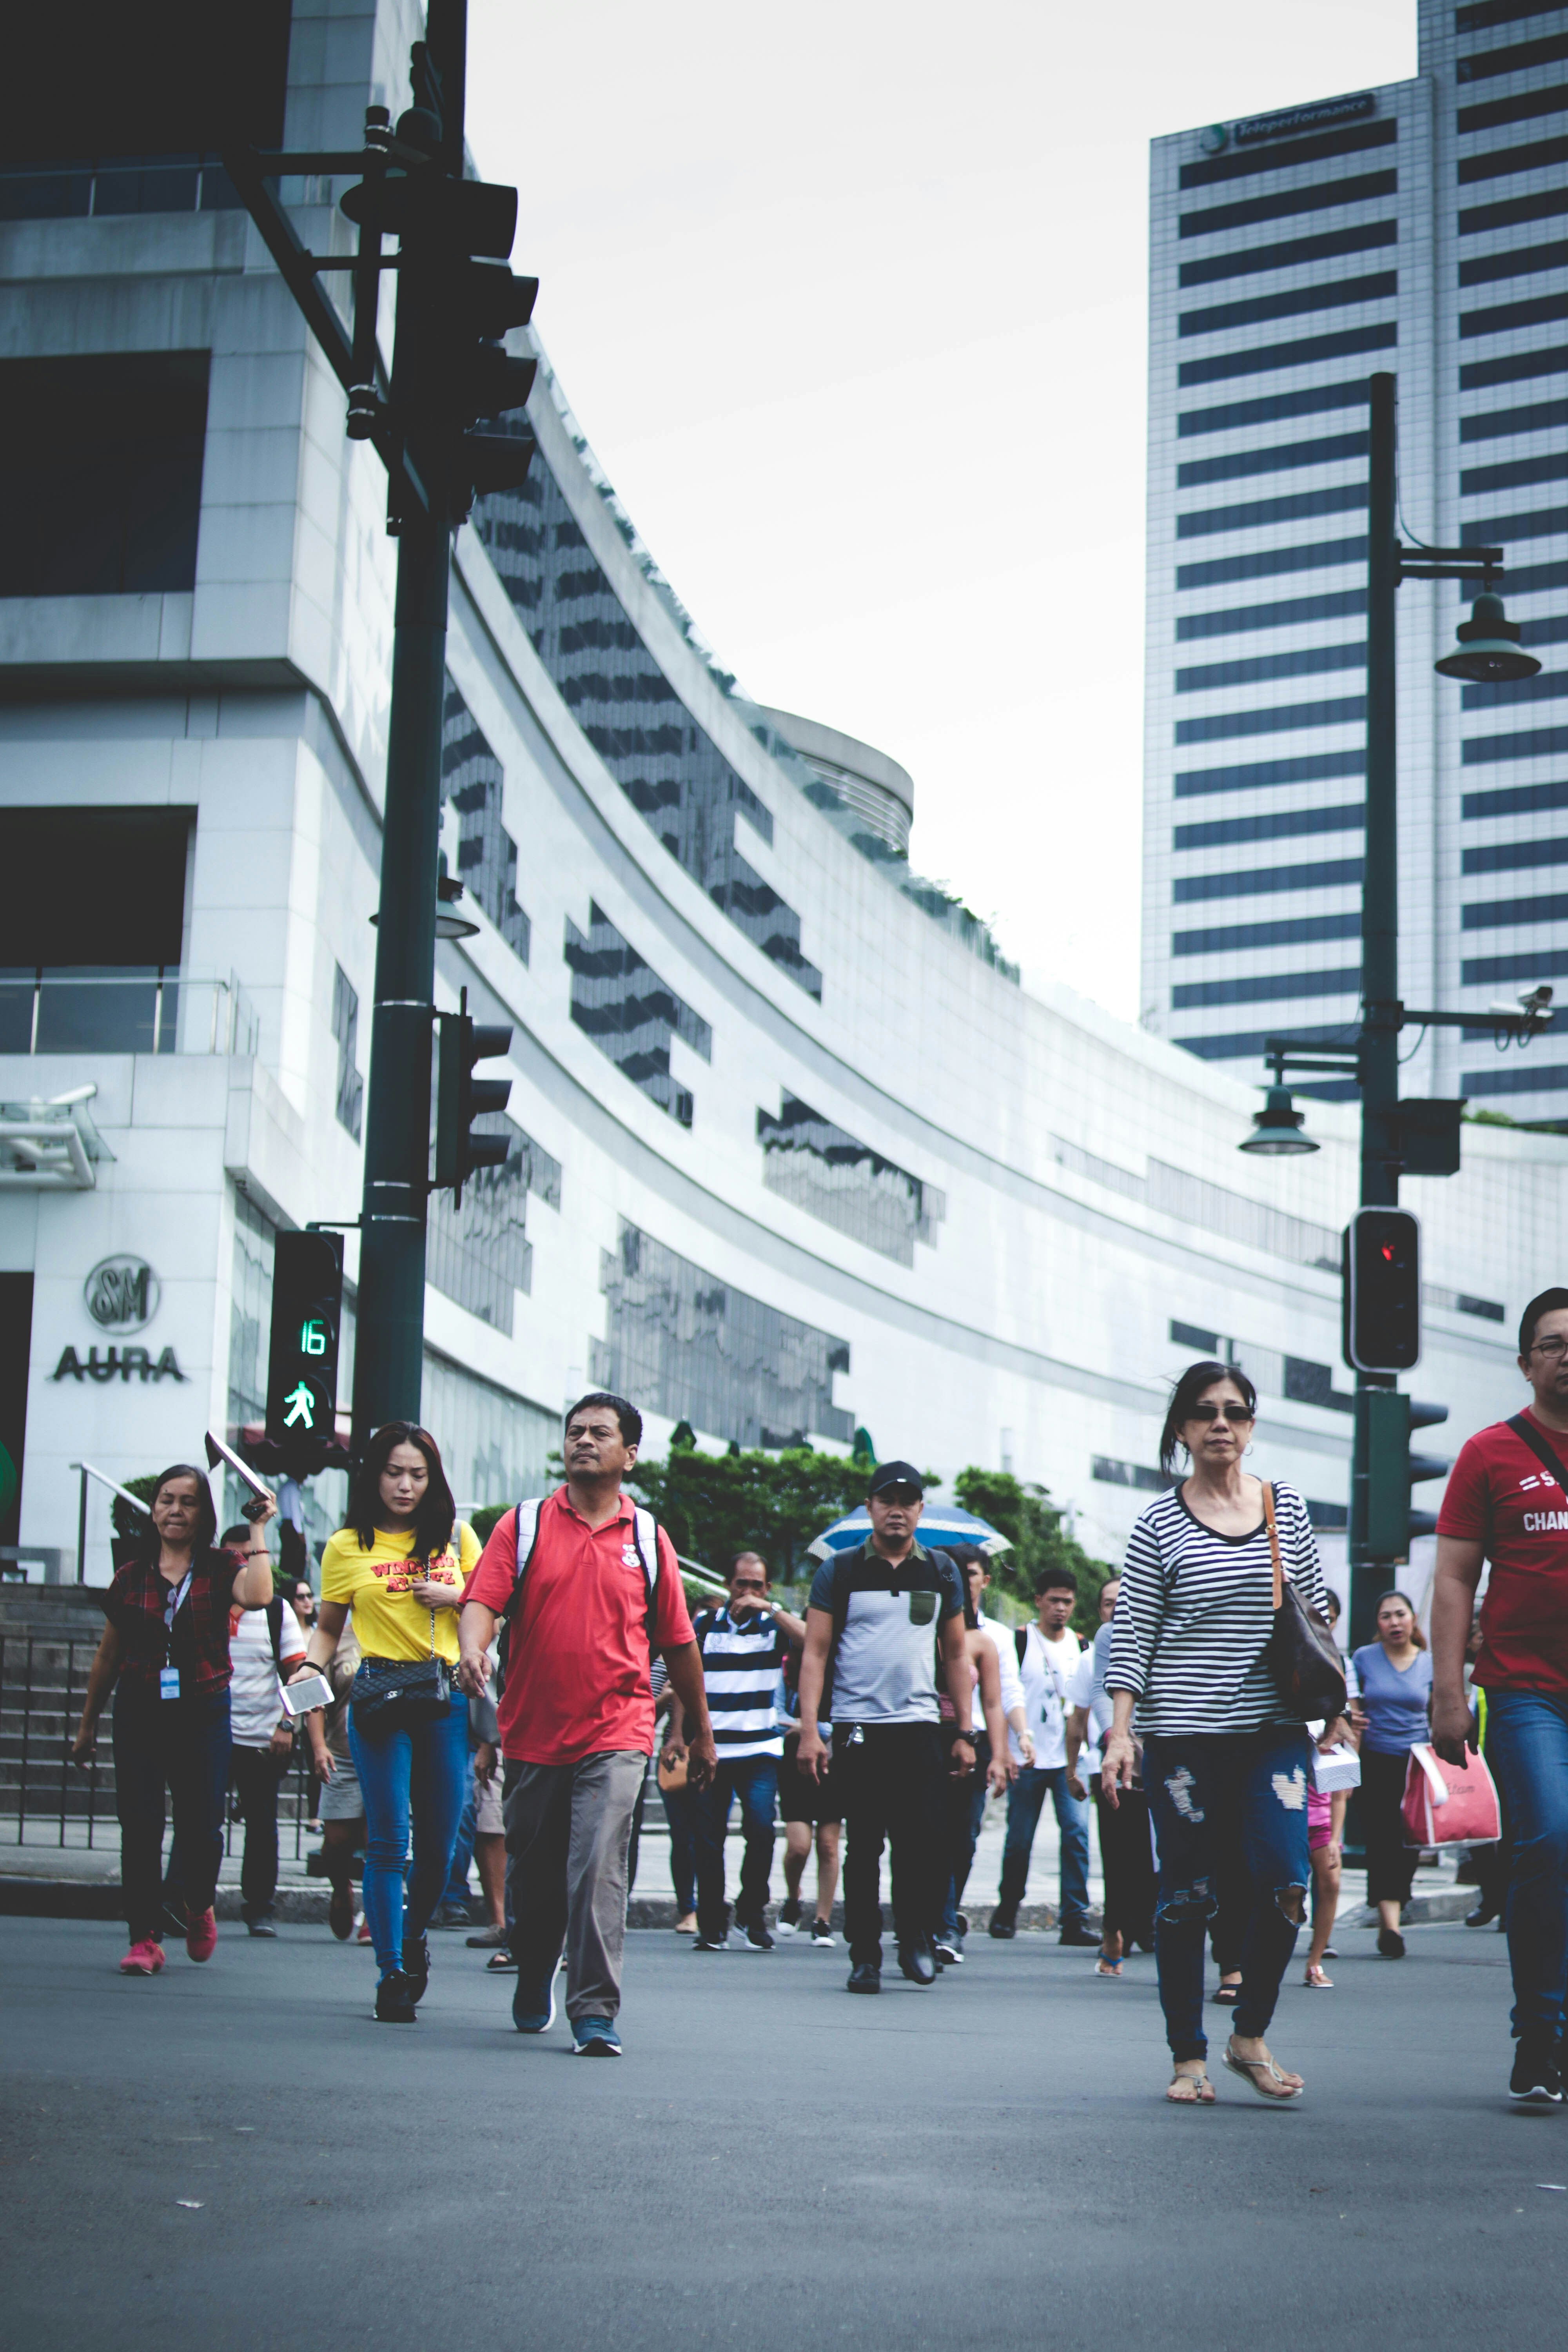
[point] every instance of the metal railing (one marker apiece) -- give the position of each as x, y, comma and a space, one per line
122, 1009
44, 1798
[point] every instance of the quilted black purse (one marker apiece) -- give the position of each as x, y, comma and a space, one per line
1305, 1663
391, 1694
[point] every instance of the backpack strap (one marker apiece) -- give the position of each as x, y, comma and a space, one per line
1528, 1434
1021, 1641
525, 1537
644, 1537
275, 1628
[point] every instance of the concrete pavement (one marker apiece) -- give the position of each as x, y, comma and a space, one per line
238, 2156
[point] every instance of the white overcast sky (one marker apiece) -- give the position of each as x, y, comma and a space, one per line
849, 298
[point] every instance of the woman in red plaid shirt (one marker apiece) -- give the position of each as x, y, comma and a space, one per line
166, 1644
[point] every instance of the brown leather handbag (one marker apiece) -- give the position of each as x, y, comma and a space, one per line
1303, 1657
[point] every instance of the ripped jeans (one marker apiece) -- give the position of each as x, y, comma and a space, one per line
1227, 1807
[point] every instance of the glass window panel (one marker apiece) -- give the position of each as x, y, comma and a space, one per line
831, 1175
681, 1343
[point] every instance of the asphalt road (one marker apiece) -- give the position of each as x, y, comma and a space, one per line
237, 2156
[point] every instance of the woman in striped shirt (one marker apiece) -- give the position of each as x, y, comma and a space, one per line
1226, 1762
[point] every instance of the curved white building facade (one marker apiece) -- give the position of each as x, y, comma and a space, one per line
795, 1154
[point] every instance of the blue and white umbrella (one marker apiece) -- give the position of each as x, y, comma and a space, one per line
940, 1524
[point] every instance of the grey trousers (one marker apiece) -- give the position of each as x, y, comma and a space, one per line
567, 1830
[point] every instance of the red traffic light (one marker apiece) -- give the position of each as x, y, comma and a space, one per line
1382, 1303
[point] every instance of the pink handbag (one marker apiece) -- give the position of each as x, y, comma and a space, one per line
1450, 1804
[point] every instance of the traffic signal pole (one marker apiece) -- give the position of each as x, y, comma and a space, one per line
1421, 1138
389, 1342
1382, 1012
389, 1335
457, 303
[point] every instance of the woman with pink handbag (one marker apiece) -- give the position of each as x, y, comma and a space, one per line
1395, 1678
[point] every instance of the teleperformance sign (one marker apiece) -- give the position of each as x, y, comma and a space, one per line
1325, 114
1322, 115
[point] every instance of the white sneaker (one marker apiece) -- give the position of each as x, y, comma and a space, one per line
821, 1935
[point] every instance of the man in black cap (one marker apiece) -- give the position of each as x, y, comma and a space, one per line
878, 1618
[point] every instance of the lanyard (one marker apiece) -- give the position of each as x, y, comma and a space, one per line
172, 1607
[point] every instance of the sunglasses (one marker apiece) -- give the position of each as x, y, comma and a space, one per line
1233, 1413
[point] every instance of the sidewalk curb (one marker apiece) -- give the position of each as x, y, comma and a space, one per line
102, 1898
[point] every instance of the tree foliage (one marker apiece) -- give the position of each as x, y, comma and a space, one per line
1027, 1516
126, 1522
713, 1506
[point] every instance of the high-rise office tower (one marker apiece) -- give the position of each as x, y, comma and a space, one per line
1420, 228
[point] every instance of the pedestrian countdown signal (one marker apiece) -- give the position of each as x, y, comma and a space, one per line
302, 1363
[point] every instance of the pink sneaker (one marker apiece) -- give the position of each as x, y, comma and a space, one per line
143, 1959
201, 1935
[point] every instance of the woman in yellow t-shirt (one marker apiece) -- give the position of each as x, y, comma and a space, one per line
398, 1569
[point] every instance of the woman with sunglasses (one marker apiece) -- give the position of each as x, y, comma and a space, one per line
1225, 1759
398, 1568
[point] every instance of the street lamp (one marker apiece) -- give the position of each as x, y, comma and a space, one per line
1397, 1137
1277, 1127
1489, 652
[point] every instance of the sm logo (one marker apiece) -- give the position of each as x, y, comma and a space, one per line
121, 1294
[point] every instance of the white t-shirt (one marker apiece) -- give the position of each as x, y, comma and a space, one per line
1048, 1668
255, 1709
1087, 1689
1001, 1640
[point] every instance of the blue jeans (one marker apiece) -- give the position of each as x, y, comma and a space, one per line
1232, 1808
409, 1775
756, 1780
457, 1887
1025, 1800
183, 1743
1527, 1747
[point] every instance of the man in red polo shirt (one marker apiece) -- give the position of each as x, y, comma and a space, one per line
576, 1714
1507, 1501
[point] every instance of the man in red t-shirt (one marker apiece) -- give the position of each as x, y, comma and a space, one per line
1507, 1501
575, 1716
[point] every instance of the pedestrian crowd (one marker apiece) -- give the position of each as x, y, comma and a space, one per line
498, 1706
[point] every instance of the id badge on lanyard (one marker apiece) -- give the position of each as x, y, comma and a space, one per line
169, 1676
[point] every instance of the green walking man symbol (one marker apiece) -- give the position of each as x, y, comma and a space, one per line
301, 1406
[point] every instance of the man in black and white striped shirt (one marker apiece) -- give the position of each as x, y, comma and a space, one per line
742, 1646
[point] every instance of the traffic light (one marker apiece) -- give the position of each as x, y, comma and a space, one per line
1386, 1450
457, 301
460, 1098
302, 1360
1386, 1418
1426, 1465
1381, 1300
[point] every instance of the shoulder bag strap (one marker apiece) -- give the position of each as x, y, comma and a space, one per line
1528, 1434
274, 1628
1273, 1544
1021, 1641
